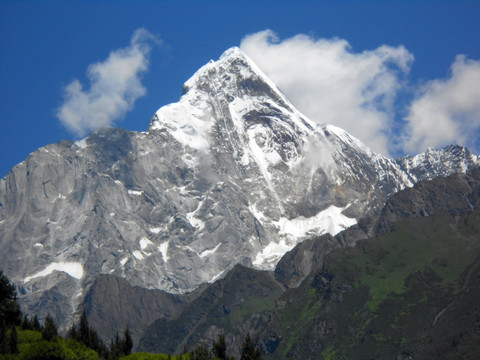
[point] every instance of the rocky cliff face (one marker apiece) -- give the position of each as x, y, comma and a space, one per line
231, 174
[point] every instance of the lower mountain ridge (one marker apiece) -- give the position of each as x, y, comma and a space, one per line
403, 284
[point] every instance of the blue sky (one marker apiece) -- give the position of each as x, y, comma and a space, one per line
416, 90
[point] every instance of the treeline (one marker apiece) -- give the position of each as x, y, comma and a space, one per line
81, 332
10, 316
218, 351
81, 341
85, 334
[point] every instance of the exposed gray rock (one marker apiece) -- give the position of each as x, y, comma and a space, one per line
112, 305
452, 195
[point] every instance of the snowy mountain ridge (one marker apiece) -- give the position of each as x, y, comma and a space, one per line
230, 174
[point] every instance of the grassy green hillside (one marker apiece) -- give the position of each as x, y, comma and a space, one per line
385, 297
31, 346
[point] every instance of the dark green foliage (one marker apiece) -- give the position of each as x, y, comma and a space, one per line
121, 347
49, 331
72, 333
56, 350
201, 352
35, 324
9, 308
218, 351
86, 335
412, 292
26, 324
3, 337
10, 316
127, 342
115, 348
13, 343
219, 348
45, 351
249, 351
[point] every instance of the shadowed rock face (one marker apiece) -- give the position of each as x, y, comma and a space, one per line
231, 174
112, 304
452, 195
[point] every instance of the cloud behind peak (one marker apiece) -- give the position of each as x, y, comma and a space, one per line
115, 85
446, 111
330, 83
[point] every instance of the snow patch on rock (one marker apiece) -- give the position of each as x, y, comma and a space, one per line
163, 248
209, 252
330, 220
138, 255
74, 269
144, 243
293, 231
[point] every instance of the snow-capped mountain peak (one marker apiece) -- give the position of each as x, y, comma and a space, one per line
232, 173
233, 80
232, 67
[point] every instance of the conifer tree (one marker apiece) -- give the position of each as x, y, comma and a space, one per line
219, 348
115, 347
201, 352
49, 331
36, 324
26, 324
9, 308
83, 333
13, 343
127, 342
3, 337
249, 352
84, 329
72, 333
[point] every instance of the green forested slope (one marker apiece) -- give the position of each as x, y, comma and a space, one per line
390, 297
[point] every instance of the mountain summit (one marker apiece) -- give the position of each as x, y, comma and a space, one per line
231, 174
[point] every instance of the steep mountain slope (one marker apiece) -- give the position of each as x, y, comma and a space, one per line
410, 292
452, 195
113, 304
225, 306
231, 174
384, 297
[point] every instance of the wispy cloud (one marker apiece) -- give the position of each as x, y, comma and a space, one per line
330, 83
447, 111
115, 85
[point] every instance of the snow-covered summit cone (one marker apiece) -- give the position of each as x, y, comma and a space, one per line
230, 174
297, 178
234, 120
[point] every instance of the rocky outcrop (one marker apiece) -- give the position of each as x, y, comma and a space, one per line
452, 195
112, 305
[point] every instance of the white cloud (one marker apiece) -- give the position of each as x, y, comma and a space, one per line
447, 111
330, 83
115, 85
